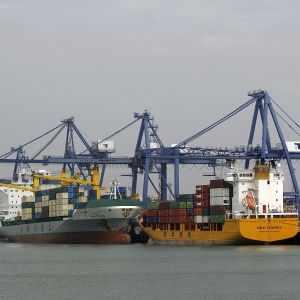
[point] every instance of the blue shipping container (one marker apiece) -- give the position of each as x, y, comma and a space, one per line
38, 215
82, 204
38, 199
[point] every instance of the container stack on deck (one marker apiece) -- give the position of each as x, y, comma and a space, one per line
55, 202
208, 206
220, 200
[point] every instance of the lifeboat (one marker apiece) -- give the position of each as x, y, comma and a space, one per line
250, 201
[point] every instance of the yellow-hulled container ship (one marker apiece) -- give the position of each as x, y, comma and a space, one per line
246, 207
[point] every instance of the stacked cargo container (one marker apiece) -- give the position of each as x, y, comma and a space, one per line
55, 202
220, 200
208, 206
202, 204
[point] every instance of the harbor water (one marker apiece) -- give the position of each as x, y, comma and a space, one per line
139, 271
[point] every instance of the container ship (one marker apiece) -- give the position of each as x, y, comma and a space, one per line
245, 207
65, 214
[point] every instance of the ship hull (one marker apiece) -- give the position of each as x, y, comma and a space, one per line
91, 225
234, 232
69, 232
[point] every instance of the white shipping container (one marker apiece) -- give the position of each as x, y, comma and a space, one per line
86, 193
26, 211
61, 213
27, 217
82, 199
70, 206
62, 201
81, 189
205, 219
52, 214
38, 204
52, 202
62, 195
28, 199
45, 203
219, 201
52, 208
38, 209
62, 207
104, 190
219, 192
198, 219
45, 198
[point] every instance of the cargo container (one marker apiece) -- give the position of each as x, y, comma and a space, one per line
202, 196
202, 188
178, 212
219, 201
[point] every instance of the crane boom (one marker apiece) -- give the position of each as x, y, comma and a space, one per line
12, 186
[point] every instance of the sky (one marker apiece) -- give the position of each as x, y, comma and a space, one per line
189, 63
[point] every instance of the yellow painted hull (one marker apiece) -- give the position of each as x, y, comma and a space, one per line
234, 231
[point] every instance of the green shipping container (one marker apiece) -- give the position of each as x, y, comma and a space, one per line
182, 204
152, 205
52, 196
217, 218
174, 205
189, 204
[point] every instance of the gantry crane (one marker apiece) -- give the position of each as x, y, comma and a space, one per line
152, 157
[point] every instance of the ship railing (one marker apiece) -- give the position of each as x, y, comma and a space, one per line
243, 215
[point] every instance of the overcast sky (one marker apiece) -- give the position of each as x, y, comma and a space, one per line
188, 62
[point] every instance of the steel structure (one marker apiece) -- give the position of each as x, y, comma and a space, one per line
152, 157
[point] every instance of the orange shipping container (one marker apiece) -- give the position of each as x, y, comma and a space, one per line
198, 211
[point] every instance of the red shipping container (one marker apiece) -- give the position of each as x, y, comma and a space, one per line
152, 212
218, 209
219, 183
45, 209
163, 212
163, 205
190, 219
178, 212
202, 188
202, 196
45, 215
202, 203
164, 220
178, 219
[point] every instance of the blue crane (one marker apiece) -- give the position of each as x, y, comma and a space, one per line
151, 156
